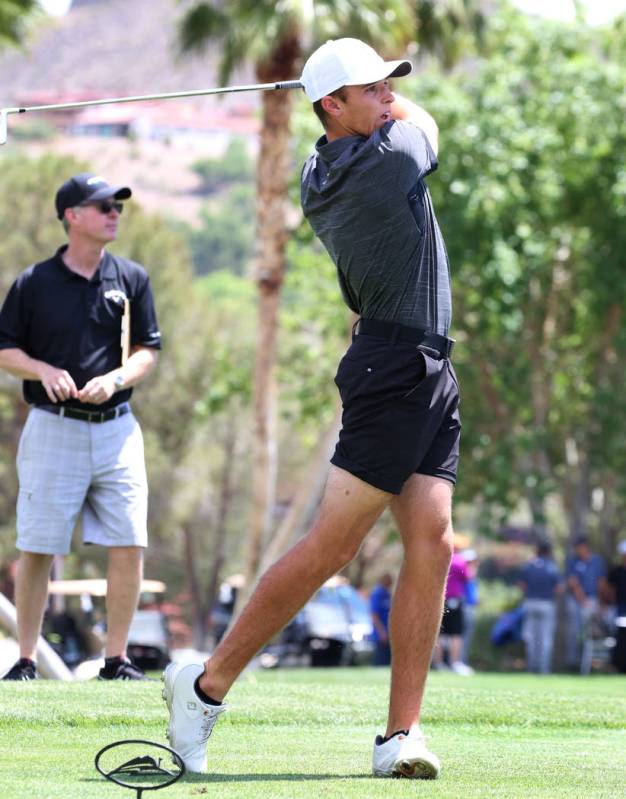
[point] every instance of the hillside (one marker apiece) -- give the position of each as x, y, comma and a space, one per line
107, 48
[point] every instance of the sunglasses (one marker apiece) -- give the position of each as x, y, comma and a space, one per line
105, 206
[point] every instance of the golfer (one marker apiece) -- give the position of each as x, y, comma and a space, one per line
81, 451
363, 192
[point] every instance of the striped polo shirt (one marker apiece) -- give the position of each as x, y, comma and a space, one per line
367, 201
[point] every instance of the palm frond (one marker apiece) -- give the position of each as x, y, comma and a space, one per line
13, 14
200, 25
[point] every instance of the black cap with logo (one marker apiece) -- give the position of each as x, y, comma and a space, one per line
87, 188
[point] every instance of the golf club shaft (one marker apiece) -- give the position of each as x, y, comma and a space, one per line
4, 112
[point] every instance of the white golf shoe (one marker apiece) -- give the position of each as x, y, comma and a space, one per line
462, 669
404, 755
191, 720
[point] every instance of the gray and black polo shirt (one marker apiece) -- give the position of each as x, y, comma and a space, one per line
367, 201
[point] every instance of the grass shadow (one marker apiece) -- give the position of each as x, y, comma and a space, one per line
191, 778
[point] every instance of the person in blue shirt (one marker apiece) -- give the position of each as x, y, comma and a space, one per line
540, 581
380, 605
584, 570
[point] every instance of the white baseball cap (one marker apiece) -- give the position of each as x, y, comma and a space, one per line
346, 62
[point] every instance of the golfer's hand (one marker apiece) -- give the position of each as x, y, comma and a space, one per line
97, 390
58, 384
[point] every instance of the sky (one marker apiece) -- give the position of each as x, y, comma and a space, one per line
598, 11
56, 7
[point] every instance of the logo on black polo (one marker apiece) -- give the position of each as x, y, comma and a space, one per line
116, 295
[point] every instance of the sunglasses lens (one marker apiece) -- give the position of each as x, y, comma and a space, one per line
107, 206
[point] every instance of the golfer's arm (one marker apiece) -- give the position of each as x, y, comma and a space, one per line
16, 362
407, 111
140, 363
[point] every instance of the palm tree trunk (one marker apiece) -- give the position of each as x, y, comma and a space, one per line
272, 180
306, 499
224, 506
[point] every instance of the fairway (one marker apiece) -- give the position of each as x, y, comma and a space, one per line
309, 733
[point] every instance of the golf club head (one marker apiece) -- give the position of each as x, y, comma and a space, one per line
4, 131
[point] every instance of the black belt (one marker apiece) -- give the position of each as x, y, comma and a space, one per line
441, 345
86, 416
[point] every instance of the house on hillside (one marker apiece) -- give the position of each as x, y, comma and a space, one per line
171, 121
205, 122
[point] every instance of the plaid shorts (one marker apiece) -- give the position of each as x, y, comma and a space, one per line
68, 468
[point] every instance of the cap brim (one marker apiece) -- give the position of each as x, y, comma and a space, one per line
117, 192
389, 69
400, 69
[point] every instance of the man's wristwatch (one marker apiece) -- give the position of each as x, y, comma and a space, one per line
119, 381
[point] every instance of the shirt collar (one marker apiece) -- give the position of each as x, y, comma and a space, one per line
105, 269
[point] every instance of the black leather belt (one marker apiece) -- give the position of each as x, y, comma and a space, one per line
441, 345
86, 416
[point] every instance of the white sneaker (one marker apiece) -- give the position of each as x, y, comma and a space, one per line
191, 720
405, 756
462, 668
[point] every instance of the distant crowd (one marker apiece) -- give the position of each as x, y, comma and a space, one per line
594, 601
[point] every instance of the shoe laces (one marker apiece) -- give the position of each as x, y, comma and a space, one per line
208, 722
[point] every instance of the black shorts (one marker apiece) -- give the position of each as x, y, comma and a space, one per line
400, 413
453, 620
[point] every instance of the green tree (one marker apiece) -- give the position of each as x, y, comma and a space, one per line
13, 14
233, 167
449, 30
531, 198
225, 238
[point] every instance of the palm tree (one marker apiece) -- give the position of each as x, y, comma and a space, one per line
12, 15
275, 37
445, 29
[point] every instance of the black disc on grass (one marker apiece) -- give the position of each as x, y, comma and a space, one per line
139, 765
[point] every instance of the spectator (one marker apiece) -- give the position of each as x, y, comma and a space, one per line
583, 571
615, 587
540, 582
80, 330
616, 582
380, 604
452, 623
470, 604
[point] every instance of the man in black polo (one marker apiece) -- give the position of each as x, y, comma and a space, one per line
81, 450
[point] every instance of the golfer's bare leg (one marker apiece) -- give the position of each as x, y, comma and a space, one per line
423, 514
31, 593
348, 510
123, 583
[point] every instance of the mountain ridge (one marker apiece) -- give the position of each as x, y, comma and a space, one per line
108, 48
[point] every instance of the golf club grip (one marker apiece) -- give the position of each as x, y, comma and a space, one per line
289, 84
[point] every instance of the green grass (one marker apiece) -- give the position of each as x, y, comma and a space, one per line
309, 733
